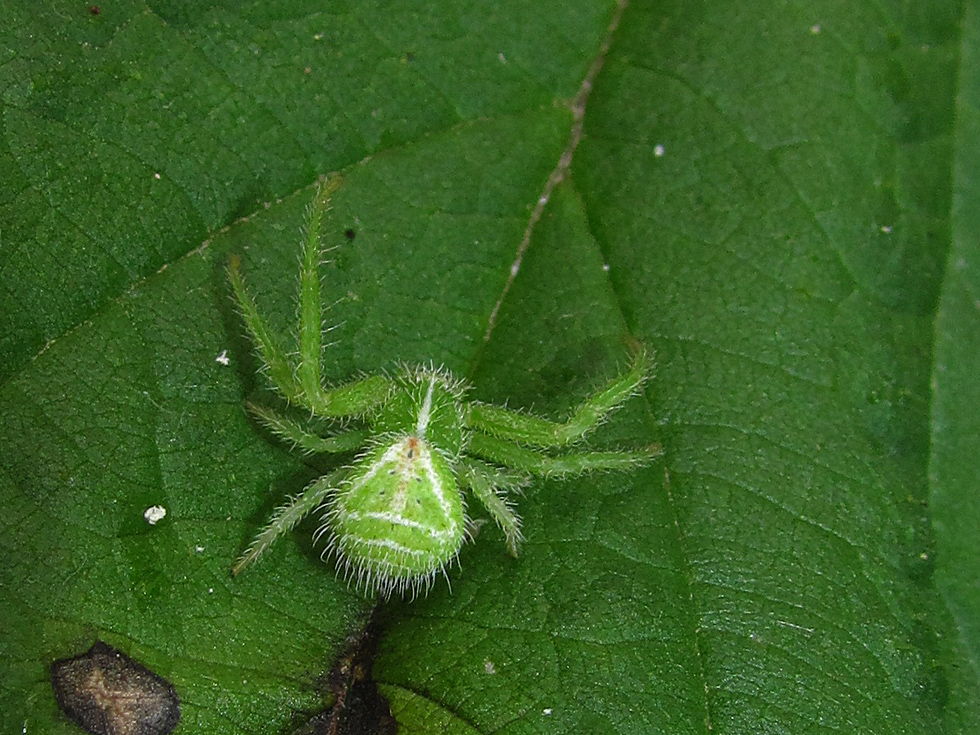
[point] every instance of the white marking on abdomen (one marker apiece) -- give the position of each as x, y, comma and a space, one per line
385, 543
426, 411
398, 520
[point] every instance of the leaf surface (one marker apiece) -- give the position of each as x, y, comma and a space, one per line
781, 201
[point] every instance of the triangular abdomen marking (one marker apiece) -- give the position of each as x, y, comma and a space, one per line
401, 515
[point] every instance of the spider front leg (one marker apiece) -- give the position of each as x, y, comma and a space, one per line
287, 516
301, 383
530, 430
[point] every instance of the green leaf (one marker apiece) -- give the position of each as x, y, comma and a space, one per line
954, 474
780, 200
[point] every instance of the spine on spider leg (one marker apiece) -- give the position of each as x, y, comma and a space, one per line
310, 326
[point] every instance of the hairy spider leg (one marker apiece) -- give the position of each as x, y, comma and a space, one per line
351, 399
311, 443
515, 456
539, 432
302, 385
287, 516
310, 306
486, 483
271, 352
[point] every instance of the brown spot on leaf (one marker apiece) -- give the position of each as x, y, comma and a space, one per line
359, 708
106, 692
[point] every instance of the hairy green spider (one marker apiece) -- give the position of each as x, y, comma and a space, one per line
395, 515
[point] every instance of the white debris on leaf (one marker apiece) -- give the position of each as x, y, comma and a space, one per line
659, 150
223, 358
154, 514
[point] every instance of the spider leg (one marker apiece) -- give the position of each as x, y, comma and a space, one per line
309, 442
486, 482
351, 399
301, 383
538, 432
287, 516
310, 306
271, 352
521, 458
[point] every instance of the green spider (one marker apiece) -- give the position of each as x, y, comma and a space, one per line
395, 515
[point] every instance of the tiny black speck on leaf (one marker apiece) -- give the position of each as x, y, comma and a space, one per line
350, 234
107, 693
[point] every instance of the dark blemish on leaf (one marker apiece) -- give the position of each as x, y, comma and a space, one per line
94, 9
410, 56
350, 234
359, 707
105, 692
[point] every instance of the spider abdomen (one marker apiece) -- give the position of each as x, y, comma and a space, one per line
399, 518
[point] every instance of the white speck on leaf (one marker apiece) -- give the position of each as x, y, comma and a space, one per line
223, 358
501, 57
154, 514
887, 229
659, 150
547, 711
489, 667
815, 29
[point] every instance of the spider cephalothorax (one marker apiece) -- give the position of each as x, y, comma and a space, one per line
395, 515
